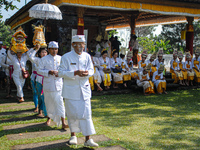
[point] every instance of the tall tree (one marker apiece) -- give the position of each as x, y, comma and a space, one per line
7, 4
172, 33
5, 33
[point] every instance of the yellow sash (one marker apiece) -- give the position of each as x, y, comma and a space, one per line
181, 66
144, 77
188, 66
196, 63
143, 65
175, 64
157, 77
123, 65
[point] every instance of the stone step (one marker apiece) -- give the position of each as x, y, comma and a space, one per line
57, 144
31, 135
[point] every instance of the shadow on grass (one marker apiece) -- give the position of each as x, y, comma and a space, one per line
18, 112
20, 119
31, 128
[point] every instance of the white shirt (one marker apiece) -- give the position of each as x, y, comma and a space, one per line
123, 62
2, 54
186, 63
113, 63
183, 64
140, 75
35, 65
155, 74
5, 63
149, 62
157, 63
16, 65
107, 63
47, 63
76, 87
140, 68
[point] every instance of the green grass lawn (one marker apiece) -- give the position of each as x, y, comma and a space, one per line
136, 122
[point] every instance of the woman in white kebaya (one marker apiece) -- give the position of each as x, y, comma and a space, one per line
144, 81
159, 80
38, 79
189, 69
19, 62
105, 70
115, 64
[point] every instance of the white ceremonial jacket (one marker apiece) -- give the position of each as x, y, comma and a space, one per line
157, 63
51, 83
107, 63
76, 87
16, 65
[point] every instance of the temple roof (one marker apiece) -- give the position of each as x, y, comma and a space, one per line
116, 12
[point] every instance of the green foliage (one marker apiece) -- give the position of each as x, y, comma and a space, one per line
112, 33
172, 33
5, 4
153, 44
5, 33
147, 43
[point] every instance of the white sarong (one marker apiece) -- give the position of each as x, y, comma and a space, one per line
54, 106
79, 116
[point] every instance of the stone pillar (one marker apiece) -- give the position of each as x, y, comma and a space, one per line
80, 27
190, 34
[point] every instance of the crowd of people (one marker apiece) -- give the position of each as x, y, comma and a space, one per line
54, 78
114, 69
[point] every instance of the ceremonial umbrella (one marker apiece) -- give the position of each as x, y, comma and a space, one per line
45, 11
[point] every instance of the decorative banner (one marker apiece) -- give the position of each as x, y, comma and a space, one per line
183, 34
80, 22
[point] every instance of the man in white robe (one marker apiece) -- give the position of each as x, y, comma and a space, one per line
76, 67
52, 86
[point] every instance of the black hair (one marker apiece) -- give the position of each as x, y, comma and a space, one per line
114, 53
104, 52
92, 53
40, 50
122, 56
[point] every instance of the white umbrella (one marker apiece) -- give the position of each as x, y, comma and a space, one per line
45, 11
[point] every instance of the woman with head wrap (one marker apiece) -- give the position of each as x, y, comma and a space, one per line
105, 70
